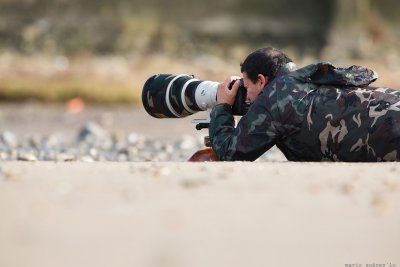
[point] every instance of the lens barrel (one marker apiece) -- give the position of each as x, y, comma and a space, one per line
170, 96
176, 96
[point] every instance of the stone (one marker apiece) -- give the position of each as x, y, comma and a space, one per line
28, 156
9, 139
92, 132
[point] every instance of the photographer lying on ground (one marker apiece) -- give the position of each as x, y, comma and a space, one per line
315, 113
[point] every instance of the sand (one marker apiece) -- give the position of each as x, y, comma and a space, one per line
176, 214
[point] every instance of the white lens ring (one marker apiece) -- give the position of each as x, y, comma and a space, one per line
183, 96
167, 95
206, 94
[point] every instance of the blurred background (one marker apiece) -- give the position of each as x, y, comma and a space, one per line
72, 71
102, 51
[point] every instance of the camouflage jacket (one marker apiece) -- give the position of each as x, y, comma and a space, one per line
316, 113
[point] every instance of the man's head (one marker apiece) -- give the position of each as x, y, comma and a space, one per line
260, 67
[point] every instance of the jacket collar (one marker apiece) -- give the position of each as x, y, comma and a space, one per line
288, 67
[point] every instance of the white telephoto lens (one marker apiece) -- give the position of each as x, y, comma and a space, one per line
206, 94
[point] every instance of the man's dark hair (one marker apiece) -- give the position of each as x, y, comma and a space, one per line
266, 61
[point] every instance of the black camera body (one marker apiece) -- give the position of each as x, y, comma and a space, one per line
241, 105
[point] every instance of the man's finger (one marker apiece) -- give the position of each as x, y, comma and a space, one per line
235, 87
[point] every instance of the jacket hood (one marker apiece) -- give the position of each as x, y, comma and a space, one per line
325, 73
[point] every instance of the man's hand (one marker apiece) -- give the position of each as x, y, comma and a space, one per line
226, 96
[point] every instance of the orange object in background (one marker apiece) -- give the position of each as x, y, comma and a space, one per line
207, 154
75, 105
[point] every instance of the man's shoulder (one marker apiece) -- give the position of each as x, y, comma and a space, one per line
305, 73
287, 82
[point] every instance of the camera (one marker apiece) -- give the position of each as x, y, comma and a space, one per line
181, 95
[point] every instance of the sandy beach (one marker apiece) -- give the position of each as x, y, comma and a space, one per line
199, 214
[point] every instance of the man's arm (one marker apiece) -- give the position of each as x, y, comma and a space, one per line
255, 133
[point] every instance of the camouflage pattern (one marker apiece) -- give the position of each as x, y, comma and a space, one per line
316, 113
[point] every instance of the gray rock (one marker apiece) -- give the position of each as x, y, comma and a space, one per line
93, 133
35, 141
65, 157
47, 154
86, 159
27, 156
122, 157
9, 139
134, 139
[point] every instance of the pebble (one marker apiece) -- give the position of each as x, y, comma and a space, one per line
95, 143
93, 133
8, 139
27, 157
65, 157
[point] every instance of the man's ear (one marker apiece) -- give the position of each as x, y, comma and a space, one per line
263, 79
